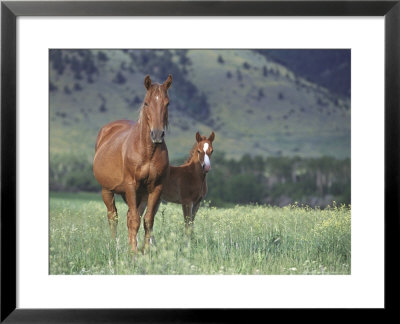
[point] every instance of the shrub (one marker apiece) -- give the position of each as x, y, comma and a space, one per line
246, 65
52, 87
101, 56
119, 78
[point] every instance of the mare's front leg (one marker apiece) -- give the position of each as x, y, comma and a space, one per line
153, 202
133, 217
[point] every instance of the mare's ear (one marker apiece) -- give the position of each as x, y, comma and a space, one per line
147, 82
167, 83
198, 137
211, 137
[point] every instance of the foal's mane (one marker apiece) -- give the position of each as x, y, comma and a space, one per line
191, 153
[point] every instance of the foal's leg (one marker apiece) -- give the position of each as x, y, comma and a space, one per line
195, 209
153, 202
109, 201
187, 214
133, 217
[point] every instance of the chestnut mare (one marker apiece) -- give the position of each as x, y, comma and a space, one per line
131, 159
187, 183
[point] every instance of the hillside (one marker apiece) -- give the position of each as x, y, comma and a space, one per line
329, 68
254, 104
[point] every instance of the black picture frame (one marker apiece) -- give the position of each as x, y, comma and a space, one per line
10, 10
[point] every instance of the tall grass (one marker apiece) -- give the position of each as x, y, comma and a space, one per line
248, 239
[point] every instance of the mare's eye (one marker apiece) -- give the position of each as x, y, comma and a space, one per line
198, 151
146, 104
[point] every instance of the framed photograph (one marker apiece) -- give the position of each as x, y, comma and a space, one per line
284, 114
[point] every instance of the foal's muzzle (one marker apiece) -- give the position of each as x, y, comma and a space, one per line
157, 136
206, 164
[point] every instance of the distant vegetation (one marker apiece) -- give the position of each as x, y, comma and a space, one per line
69, 173
275, 180
279, 181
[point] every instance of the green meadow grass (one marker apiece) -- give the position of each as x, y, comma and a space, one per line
241, 240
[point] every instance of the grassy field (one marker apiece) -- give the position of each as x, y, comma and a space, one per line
240, 240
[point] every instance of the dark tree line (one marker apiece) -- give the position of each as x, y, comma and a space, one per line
273, 180
279, 180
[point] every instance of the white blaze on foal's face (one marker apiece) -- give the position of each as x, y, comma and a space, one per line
207, 163
205, 147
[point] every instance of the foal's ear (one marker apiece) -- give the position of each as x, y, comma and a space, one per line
198, 137
147, 82
211, 137
167, 83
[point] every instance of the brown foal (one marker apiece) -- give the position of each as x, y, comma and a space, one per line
187, 183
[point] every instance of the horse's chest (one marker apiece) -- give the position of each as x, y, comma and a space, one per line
194, 190
150, 172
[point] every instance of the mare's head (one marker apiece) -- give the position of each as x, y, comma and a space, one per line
155, 108
204, 149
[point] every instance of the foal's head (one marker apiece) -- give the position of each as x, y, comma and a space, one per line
155, 108
204, 150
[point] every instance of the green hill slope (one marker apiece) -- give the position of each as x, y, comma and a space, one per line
254, 105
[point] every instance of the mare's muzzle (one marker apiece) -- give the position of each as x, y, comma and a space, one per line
157, 136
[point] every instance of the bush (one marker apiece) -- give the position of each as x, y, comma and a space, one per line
246, 65
119, 78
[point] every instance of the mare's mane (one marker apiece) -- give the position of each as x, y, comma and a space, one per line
140, 113
142, 107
